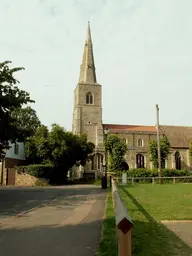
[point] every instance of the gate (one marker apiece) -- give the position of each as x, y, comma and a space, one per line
10, 179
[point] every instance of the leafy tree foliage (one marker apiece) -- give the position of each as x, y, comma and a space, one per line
37, 146
59, 147
164, 147
190, 151
11, 98
116, 148
26, 120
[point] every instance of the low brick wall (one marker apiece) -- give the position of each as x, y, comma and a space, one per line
24, 179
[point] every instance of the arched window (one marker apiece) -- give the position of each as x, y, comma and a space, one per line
89, 98
177, 160
140, 161
140, 143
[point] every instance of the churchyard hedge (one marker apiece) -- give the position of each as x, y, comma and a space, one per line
142, 172
154, 173
145, 173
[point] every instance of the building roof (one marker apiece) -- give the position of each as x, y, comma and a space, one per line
179, 136
136, 128
87, 70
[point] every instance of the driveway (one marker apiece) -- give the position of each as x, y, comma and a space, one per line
63, 220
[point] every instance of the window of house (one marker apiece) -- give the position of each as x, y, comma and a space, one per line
140, 143
89, 98
16, 149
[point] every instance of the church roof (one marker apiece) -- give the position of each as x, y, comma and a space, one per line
134, 128
179, 136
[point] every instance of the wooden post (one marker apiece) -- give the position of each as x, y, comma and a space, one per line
173, 180
158, 146
153, 180
123, 224
124, 248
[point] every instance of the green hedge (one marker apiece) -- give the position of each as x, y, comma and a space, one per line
154, 173
37, 170
52, 174
144, 173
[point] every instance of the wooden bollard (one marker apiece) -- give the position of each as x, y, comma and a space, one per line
123, 224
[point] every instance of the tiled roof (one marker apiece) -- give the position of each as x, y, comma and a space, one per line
179, 136
122, 127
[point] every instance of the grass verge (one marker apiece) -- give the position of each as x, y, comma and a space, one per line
97, 182
147, 205
108, 244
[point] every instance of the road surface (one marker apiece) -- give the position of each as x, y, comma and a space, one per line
51, 221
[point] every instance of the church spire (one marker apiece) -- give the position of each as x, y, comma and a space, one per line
87, 70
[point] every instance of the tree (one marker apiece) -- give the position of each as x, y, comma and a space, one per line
116, 148
11, 98
164, 148
37, 146
190, 151
59, 147
26, 120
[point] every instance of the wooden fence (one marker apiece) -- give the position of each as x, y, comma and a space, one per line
123, 223
153, 180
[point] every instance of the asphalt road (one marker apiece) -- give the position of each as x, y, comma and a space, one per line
51, 221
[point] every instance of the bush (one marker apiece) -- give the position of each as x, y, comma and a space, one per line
37, 170
144, 173
42, 183
55, 175
154, 173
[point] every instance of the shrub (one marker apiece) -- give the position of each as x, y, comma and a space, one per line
37, 170
154, 173
55, 175
144, 173
42, 183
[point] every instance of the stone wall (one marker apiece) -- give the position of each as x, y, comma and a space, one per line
24, 179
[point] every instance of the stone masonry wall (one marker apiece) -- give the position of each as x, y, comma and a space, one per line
24, 179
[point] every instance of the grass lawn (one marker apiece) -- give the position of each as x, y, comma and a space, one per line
147, 205
108, 244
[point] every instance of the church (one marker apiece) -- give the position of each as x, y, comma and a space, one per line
87, 118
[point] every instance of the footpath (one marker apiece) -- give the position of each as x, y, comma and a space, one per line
68, 226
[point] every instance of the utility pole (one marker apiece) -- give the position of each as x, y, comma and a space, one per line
158, 146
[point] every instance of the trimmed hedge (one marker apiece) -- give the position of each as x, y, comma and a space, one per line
52, 174
154, 173
37, 170
144, 173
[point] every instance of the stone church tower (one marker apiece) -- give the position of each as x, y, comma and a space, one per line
87, 111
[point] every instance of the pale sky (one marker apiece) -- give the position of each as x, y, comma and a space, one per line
142, 50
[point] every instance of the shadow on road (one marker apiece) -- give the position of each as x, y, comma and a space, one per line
14, 200
69, 225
